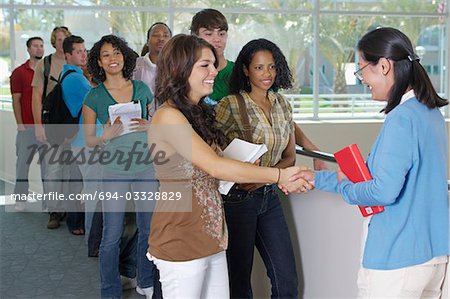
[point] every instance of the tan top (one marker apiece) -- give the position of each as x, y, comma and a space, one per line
193, 227
55, 69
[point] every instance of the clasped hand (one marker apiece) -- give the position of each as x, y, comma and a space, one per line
296, 179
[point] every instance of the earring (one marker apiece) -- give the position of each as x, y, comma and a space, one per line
101, 71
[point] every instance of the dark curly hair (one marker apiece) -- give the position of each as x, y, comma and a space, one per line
394, 45
239, 81
174, 67
129, 57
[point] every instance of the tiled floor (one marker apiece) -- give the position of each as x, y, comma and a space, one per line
36, 262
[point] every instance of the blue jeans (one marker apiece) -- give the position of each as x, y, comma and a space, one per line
256, 219
92, 174
113, 223
24, 151
62, 176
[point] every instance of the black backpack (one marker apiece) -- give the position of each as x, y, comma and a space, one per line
59, 124
47, 66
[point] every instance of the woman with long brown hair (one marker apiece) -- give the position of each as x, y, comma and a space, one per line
188, 246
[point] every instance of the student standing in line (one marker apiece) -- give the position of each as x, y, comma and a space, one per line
407, 245
157, 36
50, 66
112, 62
74, 87
253, 211
212, 26
21, 91
188, 247
42, 84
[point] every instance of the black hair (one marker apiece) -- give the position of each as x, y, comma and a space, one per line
395, 46
156, 24
174, 67
69, 41
239, 81
31, 39
144, 49
208, 18
129, 57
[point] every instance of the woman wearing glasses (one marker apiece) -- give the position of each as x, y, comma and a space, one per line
407, 246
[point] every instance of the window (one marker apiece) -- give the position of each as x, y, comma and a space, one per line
318, 43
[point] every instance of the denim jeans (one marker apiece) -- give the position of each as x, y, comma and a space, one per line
256, 219
62, 176
92, 174
24, 150
113, 223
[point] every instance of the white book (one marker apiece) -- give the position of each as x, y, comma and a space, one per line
126, 111
243, 151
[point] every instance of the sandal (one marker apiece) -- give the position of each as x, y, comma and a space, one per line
77, 232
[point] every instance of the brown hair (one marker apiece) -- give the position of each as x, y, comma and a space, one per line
55, 30
174, 67
208, 18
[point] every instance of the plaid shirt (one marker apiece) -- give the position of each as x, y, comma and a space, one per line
274, 133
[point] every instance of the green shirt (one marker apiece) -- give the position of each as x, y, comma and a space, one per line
221, 86
99, 99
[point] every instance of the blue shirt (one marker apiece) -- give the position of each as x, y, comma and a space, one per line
75, 87
408, 163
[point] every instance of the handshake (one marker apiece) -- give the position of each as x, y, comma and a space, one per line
297, 179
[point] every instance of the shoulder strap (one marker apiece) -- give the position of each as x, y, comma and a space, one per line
64, 76
47, 65
244, 118
60, 82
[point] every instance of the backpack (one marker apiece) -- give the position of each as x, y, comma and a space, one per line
47, 65
59, 124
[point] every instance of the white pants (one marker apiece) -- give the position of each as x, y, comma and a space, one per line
421, 281
200, 278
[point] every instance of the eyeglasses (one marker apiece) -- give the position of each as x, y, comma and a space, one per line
60, 27
358, 74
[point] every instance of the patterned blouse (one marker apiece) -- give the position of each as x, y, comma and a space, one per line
194, 226
274, 133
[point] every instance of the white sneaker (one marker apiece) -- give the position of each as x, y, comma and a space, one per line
148, 292
128, 283
20, 206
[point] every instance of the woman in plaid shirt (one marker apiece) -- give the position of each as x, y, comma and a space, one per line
253, 212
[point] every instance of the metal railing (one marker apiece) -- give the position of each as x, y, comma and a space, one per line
325, 156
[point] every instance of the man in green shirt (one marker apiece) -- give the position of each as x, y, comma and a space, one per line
212, 26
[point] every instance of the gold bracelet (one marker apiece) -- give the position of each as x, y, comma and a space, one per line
279, 174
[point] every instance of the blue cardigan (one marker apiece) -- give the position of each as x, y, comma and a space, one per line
408, 163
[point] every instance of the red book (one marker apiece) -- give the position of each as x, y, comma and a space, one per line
353, 166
